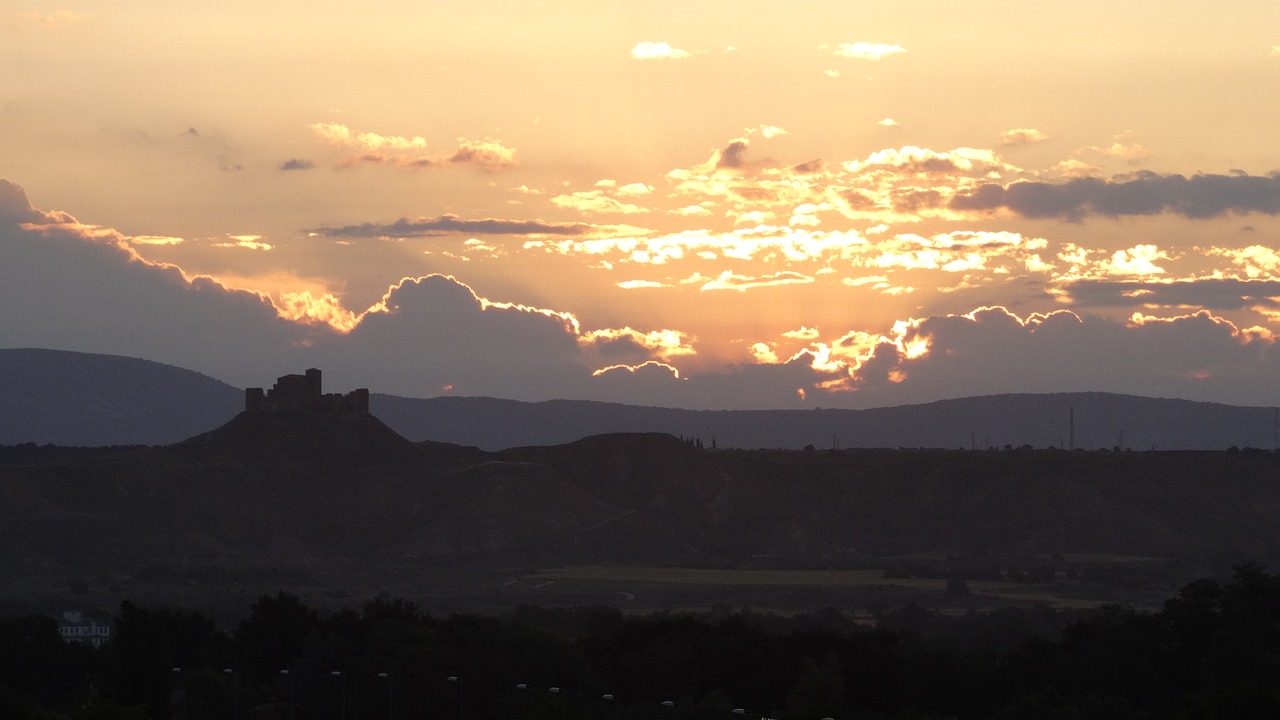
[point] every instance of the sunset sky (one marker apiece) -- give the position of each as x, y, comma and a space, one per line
695, 204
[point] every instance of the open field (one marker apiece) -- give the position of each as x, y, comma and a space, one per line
447, 589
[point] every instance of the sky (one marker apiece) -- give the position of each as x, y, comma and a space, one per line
698, 204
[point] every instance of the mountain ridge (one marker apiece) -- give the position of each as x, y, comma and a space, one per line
82, 399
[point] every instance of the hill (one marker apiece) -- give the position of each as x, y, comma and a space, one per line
82, 399
1101, 420
278, 492
79, 399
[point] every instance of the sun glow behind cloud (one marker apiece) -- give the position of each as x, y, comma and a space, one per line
580, 189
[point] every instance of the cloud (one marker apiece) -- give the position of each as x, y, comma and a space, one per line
1215, 294
1147, 193
54, 21
596, 202
434, 331
734, 156
343, 136
15, 208
634, 189
1132, 154
156, 240
453, 225
72, 286
728, 280
658, 51
409, 152
68, 285
1022, 136
802, 333
488, 154
867, 51
615, 343
247, 242
297, 164
991, 351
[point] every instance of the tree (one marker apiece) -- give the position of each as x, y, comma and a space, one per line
273, 635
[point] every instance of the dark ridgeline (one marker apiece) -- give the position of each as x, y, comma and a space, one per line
81, 399
78, 399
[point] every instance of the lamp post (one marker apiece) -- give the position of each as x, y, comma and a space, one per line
235, 696
564, 700
182, 690
617, 704
390, 694
523, 687
461, 696
293, 698
343, 681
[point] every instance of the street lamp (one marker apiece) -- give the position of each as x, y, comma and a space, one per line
523, 687
564, 700
182, 689
235, 696
461, 696
617, 704
390, 694
293, 698
343, 679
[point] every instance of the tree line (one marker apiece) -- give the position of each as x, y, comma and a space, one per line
1212, 650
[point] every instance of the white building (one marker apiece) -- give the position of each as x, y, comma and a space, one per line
73, 627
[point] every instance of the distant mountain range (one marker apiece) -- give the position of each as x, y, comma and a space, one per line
79, 399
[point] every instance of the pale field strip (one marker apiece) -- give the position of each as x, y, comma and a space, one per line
699, 576
802, 578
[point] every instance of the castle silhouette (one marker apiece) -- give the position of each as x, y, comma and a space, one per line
302, 394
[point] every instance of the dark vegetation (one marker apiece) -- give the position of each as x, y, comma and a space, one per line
278, 493
341, 506
1213, 650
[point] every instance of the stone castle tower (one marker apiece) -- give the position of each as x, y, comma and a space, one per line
302, 394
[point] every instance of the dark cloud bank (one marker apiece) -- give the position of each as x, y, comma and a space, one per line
1197, 196
453, 225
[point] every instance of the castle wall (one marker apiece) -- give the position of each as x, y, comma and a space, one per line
303, 394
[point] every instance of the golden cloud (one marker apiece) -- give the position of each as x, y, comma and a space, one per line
53, 21
867, 51
1022, 136
658, 51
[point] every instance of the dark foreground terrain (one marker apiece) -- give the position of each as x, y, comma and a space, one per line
338, 507
1210, 651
